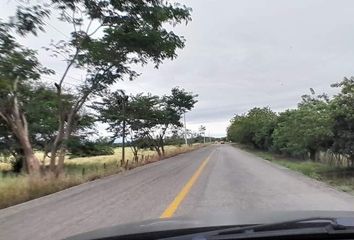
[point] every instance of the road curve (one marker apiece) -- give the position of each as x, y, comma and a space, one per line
209, 180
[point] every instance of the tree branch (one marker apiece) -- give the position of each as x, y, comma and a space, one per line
68, 68
4, 117
95, 30
24, 122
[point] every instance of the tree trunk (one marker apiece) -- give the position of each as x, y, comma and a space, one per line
61, 158
123, 141
351, 161
162, 144
63, 146
32, 164
19, 126
54, 148
163, 149
64, 132
312, 154
136, 157
135, 153
157, 148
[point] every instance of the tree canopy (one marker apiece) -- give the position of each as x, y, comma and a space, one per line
145, 116
319, 123
108, 39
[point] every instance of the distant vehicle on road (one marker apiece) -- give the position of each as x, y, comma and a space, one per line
222, 142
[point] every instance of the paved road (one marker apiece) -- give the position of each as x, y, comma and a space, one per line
229, 180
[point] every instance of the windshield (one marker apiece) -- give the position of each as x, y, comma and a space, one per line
192, 113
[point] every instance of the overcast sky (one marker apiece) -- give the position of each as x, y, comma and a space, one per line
241, 54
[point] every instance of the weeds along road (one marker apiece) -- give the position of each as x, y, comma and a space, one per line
206, 181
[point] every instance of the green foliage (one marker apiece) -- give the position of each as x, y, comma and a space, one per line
19, 68
40, 103
255, 128
131, 32
305, 130
6, 141
16, 61
124, 34
342, 110
145, 117
317, 124
79, 147
180, 100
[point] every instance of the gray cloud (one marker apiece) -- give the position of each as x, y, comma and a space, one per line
241, 54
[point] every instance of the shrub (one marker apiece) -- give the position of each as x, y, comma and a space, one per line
84, 148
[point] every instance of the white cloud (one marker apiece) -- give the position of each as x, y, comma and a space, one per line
241, 54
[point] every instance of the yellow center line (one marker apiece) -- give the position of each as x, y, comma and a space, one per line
171, 209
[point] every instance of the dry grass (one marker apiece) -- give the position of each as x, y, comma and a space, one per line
16, 189
4, 166
100, 160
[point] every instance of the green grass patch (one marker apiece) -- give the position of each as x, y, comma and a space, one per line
341, 178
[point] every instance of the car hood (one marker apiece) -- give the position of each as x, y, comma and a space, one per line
208, 220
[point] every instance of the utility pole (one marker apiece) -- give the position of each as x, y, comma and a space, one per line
185, 130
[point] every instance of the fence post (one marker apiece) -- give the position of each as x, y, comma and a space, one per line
126, 164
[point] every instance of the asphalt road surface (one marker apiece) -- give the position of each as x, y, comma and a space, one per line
209, 180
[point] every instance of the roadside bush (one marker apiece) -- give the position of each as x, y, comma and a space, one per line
342, 111
304, 131
318, 124
254, 128
84, 148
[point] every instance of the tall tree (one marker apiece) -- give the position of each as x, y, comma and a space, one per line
19, 67
342, 110
108, 37
306, 130
125, 116
254, 128
202, 130
171, 109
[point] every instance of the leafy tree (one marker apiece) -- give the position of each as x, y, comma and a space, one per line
236, 132
123, 33
168, 116
145, 117
202, 130
19, 67
143, 110
305, 130
255, 128
177, 138
10, 151
342, 110
80, 147
127, 116
40, 102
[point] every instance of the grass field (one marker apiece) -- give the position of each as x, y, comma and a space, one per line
100, 160
341, 178
16, 189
